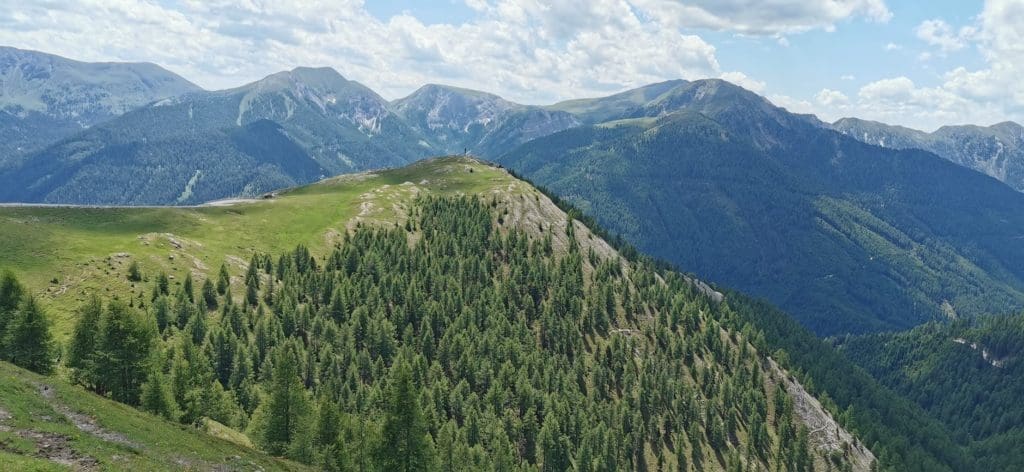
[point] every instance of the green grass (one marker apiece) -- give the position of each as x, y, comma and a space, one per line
66, 253
10, 461
27, 414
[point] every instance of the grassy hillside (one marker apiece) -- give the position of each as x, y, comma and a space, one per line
66, 253
46, 424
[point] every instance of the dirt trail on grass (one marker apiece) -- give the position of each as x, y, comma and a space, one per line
57, 448
84, 423
51, 446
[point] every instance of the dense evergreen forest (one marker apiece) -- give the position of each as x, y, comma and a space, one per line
846, 237
448, 343
968, 373
475, 344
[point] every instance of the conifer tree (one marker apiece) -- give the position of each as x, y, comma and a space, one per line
209, 295
83, 342
405, 444
157, 397
134, 274
189, 287
223, 279
161, 313
554, 447
123, 347
11, 292
287, 406
27, 341
163, 284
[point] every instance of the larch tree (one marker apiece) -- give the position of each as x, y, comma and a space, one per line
27, 341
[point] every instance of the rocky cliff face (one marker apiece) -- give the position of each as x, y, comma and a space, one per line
996, 150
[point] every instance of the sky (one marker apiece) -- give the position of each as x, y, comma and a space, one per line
912, 63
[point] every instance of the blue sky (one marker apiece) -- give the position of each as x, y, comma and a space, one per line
919, 64
856, 48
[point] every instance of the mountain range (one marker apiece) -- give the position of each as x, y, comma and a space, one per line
847, 235
498, 314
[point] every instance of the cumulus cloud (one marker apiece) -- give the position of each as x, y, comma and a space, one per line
832, 98
986, 95
794, 105
529, 50
744, 81
938, 33
764, 17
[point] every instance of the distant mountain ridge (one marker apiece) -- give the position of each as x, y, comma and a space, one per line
460, 120
45, 97
996, 150
289, 128
844, 235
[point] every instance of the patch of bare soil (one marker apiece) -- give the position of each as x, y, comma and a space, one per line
57, 448
84, 423
4, 417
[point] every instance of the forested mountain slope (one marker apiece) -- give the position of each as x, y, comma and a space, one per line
290, 128
44, 98
524, 338
969, 374
846, 236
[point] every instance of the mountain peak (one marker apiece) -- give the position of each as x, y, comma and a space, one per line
60, 96
54, 85
450, 95
322, 78
324, 73
1008, 127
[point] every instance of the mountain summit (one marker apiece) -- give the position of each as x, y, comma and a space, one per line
45, 97
460, 119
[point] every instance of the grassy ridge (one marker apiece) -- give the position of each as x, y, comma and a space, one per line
74, 251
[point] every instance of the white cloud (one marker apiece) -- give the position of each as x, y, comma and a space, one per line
763, 17
528, 50
892, 47
847, 77
792, 104
832, 98
986, 95
532, 51
938, 33
744, 81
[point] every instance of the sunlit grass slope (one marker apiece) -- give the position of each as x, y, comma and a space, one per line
65, 253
